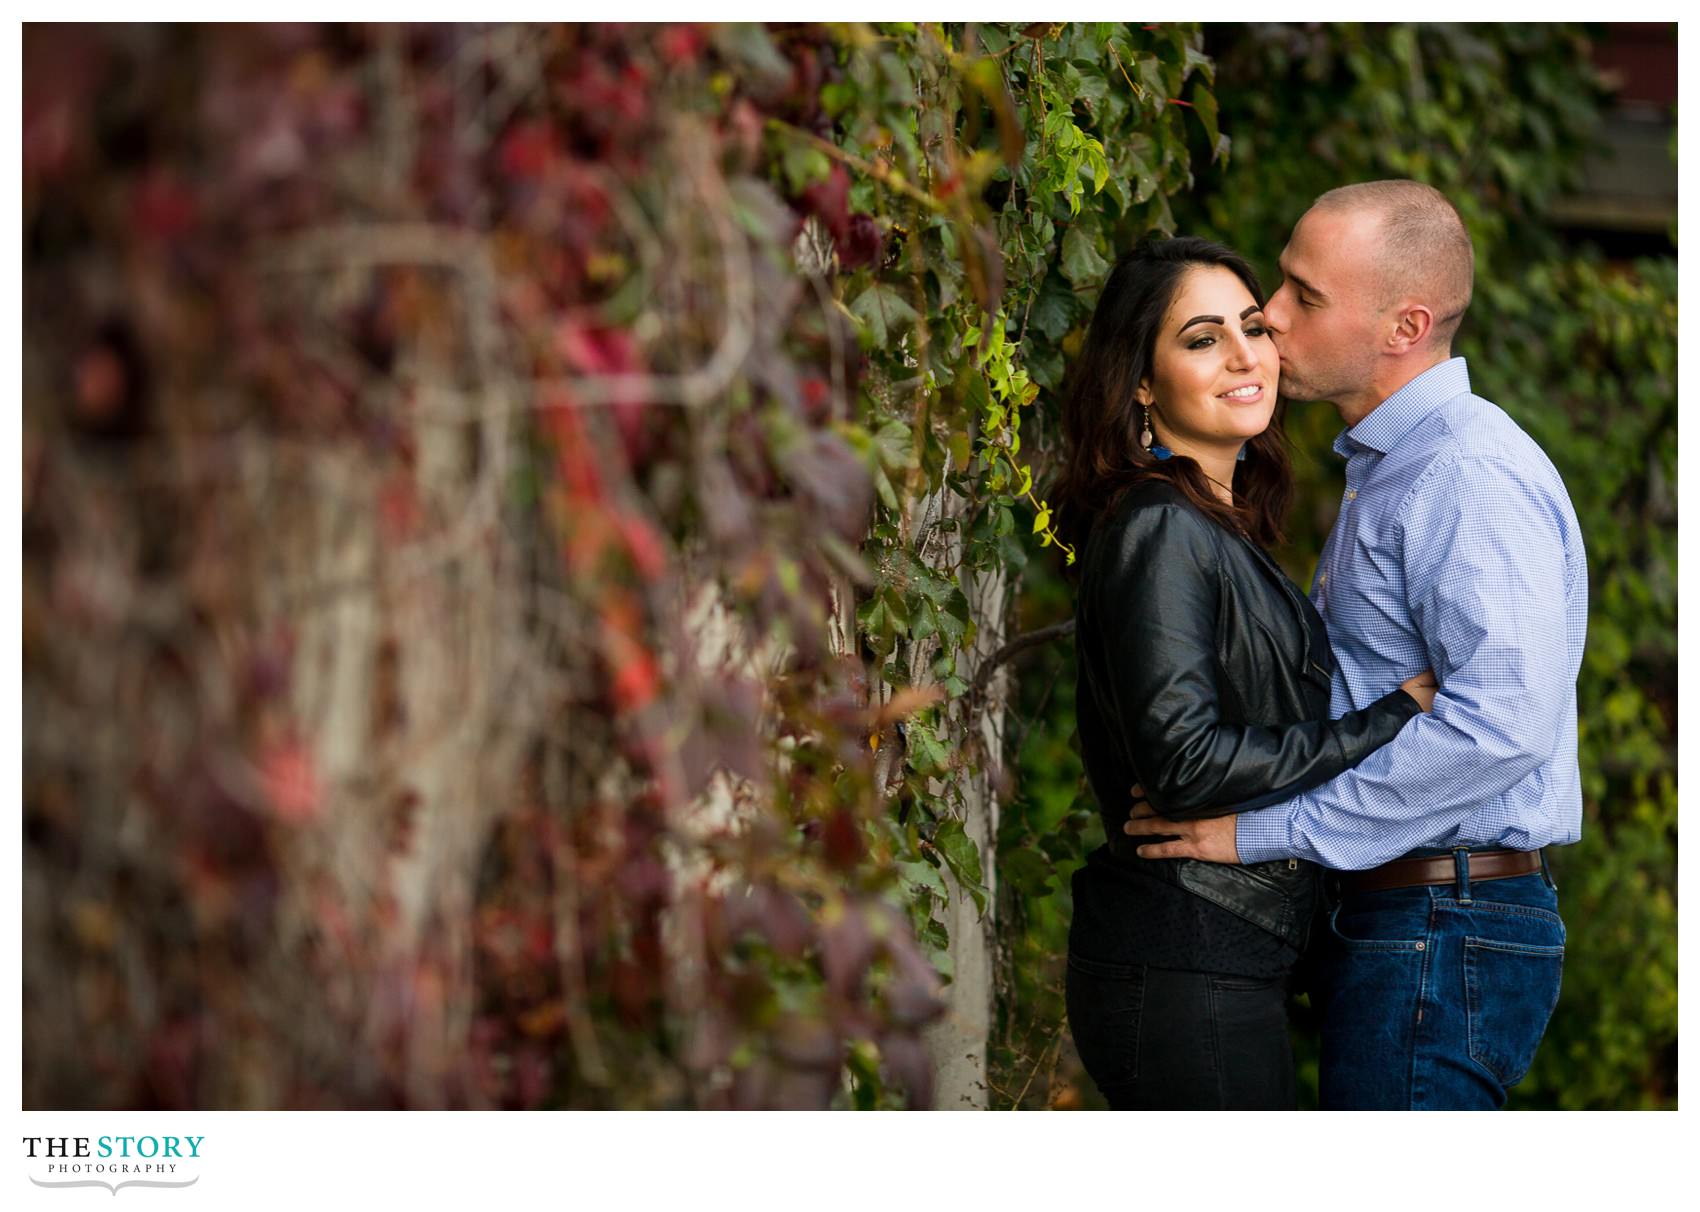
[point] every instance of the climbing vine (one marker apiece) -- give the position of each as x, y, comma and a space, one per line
978, 151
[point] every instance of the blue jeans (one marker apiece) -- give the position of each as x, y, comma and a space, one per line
1436, 997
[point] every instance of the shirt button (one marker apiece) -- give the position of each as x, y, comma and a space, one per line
1351, 494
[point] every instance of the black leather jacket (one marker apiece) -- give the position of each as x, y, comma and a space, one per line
1205, 676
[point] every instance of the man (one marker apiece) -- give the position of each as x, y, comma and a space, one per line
1456, 549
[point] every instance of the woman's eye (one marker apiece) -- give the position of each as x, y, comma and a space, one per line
1202, 342
1257, 330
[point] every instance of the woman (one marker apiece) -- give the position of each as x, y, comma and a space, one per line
1204, 678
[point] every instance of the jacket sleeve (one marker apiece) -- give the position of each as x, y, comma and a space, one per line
1156, 595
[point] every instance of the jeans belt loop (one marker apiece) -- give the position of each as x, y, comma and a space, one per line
1546, 871
1461, 856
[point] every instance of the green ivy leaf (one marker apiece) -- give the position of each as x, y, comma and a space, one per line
961, 449
1198, 61
885, 490
925, 876
1011, 552
1145, 178
926, 754
1092, 89
874, 621
882, 310
962, 856
804, 166
955, 622
893, 445
1053, 310
1149, 75
936, 939
1082, 264
926, 621
1204, 105
897, 612
837, 97
1028, 872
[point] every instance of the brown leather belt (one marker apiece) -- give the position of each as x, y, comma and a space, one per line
1442, 869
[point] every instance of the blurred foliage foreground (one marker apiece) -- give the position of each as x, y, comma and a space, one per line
513, 522
523, 527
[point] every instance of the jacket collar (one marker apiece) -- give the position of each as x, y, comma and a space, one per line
1284, 584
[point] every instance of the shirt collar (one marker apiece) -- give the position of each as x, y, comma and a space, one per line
1400, 412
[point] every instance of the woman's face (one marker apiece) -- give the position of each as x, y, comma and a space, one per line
1215, 371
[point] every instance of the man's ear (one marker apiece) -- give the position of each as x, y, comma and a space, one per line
1414, 322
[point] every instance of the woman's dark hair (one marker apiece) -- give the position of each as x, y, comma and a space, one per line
1102, 419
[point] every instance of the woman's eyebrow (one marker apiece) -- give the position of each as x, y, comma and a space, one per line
1253, 309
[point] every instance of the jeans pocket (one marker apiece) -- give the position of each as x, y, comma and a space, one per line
1374, 928
1510, 991
1245, 984
1105, 1004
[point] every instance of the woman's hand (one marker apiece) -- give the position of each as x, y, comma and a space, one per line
1422, 687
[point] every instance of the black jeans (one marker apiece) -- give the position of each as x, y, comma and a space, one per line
1160, 1039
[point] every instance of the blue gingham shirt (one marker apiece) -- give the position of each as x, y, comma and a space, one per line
1456, 550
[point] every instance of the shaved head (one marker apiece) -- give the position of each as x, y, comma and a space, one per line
1424, 252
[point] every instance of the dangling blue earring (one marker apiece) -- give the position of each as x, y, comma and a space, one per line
1158, 451
1240, 458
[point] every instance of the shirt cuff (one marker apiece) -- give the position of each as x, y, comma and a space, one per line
1263, 835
